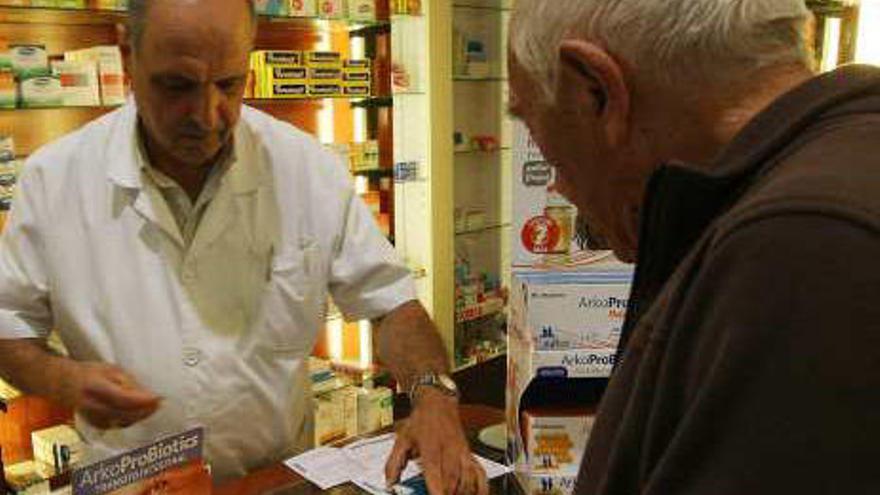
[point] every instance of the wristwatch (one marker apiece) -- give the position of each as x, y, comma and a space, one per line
443, 383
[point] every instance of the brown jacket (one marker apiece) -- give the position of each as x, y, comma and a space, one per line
753, 359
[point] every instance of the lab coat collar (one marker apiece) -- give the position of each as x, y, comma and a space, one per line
124, 170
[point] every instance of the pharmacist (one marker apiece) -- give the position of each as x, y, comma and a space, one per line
184, 246
701, 142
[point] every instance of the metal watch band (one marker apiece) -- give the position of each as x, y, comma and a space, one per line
443, 383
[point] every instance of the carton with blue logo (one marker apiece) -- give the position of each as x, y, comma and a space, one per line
562, 343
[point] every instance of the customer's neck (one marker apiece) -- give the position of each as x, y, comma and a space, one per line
774, 83
696, 128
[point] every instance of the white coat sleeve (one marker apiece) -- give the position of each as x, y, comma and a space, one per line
24, 296
367, 279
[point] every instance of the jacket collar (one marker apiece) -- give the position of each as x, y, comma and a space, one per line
682, 200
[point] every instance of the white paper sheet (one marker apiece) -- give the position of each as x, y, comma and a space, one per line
326, 467
363, 463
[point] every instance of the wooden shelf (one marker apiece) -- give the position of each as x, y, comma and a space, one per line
34, 127
97, 17
62, 17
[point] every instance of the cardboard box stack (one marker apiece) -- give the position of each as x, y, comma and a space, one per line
30, 78
566, 314
10, 168
309, 74
343, 410
353, 10
107, 60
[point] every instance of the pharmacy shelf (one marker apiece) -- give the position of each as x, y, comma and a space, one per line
34, 127
376, 172
98, 17
488, 308
65, 17
484, 229
491, 357
372, 102
377, 102
482, 152
488, 5
94, 108
473, 79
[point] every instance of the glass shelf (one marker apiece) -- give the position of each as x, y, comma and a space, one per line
461, 78
482, 152
482, 230
473, 364
490, 5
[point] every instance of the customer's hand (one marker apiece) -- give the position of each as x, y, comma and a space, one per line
435, 434
106, 396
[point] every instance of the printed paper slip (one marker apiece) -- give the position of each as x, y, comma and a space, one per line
326, 467
362, 463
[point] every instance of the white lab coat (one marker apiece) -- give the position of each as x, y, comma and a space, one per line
222, 330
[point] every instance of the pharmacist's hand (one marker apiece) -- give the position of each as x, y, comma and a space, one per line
434, 433
106, 396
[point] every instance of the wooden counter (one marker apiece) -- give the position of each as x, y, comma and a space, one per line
278, 480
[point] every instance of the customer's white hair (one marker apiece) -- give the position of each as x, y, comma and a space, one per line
672, 42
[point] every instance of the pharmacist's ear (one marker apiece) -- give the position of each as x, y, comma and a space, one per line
124, 46
592, 79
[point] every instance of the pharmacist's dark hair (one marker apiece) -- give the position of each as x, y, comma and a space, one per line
137, 18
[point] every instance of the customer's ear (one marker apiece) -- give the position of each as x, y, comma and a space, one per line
592, 79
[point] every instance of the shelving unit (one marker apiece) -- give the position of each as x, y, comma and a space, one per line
481, 175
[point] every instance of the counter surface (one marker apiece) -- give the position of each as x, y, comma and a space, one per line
279, 480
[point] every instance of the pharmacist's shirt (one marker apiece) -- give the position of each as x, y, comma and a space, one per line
221, 329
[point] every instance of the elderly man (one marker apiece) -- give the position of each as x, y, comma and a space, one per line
184, 246
752, 353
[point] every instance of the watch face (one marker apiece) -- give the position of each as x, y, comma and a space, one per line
448, 383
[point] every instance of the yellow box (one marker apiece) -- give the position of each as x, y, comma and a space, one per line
325, 74
323, 59
280, 57
287, 73
357, 63
325, 90
357, 89
357, 75
289, 90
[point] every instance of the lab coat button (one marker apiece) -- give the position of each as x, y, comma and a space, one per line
191, 356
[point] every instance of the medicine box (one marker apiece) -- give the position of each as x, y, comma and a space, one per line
553, 313
555, 439
331, 9
326, 59
40, 91
303, 8
272, 7
59, 446
563, 333
551, 484
7, 89
357, 89
375, 409
29, 61
362, 10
